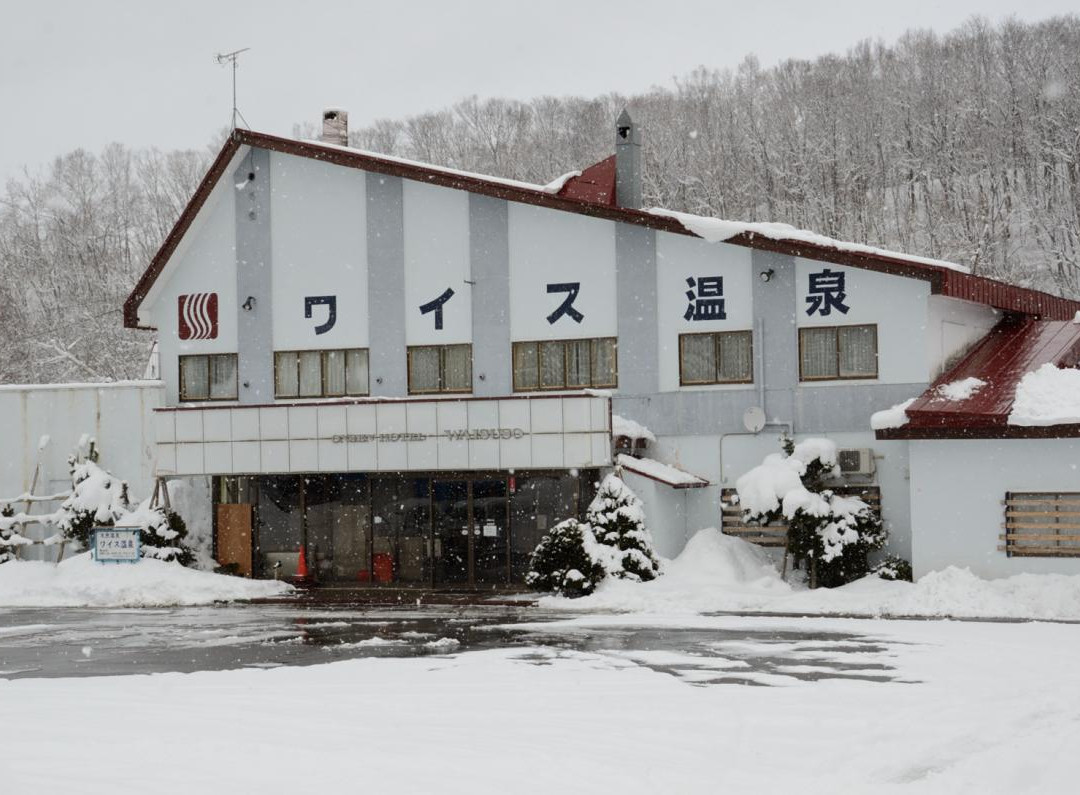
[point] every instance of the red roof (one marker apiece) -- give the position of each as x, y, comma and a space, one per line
596, 184
589, 195
1016, 346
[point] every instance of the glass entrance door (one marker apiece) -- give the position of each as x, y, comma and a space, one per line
471, 531
491, 532
450, 525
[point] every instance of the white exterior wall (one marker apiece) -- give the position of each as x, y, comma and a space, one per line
665, 512
436, 224
953, 327
204, 262
119, 416
318, 239
549, 247
679, 257
957, 489
897, 305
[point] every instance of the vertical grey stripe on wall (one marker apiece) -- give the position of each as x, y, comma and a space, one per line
635, 276
388, 367
254, 326
775, 335
489, 255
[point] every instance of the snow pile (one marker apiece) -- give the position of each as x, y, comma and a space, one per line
713, 572
960, 390
1048, 396
715, 230
621, 426
81, 582
716, 572
895, 417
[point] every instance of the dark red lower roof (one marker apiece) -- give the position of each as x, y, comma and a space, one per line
1015, 347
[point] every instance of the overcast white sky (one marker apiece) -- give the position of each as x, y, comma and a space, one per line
78, 73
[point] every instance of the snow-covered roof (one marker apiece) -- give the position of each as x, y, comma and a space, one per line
658, 471
946, 278
1019, 380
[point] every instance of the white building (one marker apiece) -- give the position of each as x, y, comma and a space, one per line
412, 370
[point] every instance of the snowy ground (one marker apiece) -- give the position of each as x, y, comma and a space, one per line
588, 704
79, 581
719, 573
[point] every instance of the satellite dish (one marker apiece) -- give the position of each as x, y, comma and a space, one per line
754, 419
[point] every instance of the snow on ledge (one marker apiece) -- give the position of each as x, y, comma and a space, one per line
716, 230
143, 383
895, 417
664, 473
1047, 396
621, 426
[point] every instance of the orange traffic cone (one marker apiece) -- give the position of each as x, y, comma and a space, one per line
301, 565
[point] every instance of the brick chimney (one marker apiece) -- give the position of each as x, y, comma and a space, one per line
335, 127
627, 162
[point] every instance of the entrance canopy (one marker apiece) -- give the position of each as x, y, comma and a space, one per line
423, 435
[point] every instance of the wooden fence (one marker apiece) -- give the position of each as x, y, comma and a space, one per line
775, 535
1041, 524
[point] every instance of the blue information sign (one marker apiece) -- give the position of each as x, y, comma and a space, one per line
115, 544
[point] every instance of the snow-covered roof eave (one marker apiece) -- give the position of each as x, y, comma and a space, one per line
718, 230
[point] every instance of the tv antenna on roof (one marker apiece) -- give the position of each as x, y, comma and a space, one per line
222, 59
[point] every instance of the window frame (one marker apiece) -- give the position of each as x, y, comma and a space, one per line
836, 354
182, 381
716, 337
538, 359
441, 389
322, 352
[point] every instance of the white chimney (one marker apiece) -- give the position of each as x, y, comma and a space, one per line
335, 127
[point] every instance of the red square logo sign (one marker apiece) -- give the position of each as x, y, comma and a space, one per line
198, 316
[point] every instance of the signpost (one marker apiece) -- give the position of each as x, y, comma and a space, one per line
115, 544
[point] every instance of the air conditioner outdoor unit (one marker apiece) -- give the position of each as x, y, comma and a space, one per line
856, 461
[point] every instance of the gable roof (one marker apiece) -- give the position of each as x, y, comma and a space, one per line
1015, 347
576, 197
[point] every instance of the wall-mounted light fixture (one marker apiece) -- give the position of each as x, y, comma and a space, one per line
249, 304
766, 276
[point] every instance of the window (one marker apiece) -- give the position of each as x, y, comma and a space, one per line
836, 352
208, 377
723, 357
313, 374
440, 368
565, 364
1044, 524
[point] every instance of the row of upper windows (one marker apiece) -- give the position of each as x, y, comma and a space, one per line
723, 357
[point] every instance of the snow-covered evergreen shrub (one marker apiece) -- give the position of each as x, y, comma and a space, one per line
7, 511
893, 567
574, 557
617, 519
564, 562
831, 533
99, 499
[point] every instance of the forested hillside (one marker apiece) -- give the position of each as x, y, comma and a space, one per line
963, 146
